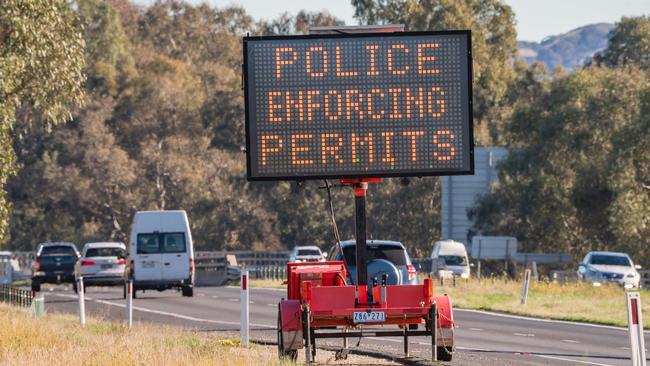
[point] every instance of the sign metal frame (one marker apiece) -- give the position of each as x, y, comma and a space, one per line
360, 175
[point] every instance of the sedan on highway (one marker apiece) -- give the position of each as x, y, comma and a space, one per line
609, 267
306, 253
384, 258
101, 264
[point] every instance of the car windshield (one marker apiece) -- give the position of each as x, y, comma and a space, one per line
393, 254
151, 243
310, 252
106, 252
610, 260
454, 260
58, 249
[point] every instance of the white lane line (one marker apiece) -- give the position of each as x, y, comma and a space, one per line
570, 341
201, 294
537, 355
542, 320
174, 315
524, 334
215, 296
573, 360
476, 329
272, 305
625, 348
233, 300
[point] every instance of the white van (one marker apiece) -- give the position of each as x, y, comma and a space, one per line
6, 268
451, 257
161, 253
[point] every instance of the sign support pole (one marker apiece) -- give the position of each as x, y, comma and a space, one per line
360, 230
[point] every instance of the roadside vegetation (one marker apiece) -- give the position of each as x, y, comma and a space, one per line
57, 339
575, 301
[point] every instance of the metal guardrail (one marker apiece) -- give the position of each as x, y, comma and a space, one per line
645, 278
16, 296
249, 258
268, 272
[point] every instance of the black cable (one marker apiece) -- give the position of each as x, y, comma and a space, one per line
336, 228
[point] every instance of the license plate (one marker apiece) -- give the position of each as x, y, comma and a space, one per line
148, 264
107, 266
368, 317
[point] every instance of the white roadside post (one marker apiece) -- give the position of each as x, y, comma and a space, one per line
82, 304
524, 289
244, 309
635, 326
129, 302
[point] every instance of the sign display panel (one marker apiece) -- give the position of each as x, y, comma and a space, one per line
358, 105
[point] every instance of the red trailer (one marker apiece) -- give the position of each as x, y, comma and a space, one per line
319, 304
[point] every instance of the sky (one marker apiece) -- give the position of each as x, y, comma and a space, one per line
536, 19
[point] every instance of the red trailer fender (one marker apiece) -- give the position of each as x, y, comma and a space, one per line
290, 324
445, 311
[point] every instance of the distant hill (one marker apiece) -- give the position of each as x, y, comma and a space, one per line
569, 50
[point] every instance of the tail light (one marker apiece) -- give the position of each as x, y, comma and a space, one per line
411, 271
37, 264
191, 265
121, 261
87, 262
131, 268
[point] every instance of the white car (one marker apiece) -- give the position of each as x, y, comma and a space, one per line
615, 267
161, 253
306, 253
101, 264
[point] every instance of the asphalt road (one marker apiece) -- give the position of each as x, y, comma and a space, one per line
482, 338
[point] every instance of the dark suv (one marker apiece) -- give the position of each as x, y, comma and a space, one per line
54, 263
384, 257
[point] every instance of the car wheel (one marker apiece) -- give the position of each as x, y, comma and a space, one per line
188, 291
36, 286
444, 353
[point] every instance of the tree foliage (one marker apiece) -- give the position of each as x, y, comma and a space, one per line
577, 177
41, 64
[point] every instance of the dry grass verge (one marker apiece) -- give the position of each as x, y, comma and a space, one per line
57, 339
578, 301
268, 284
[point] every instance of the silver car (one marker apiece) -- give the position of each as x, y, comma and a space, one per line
101, 264
384, 258
615, 267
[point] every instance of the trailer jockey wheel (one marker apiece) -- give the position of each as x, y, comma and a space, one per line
308, 334
290, 354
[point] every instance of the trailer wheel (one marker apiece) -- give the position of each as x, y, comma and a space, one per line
444, 353
283, 354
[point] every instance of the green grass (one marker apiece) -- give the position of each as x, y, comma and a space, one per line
577, 301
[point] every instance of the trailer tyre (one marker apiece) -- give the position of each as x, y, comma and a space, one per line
283, 354
444, 353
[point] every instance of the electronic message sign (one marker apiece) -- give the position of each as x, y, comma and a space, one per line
358, 105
